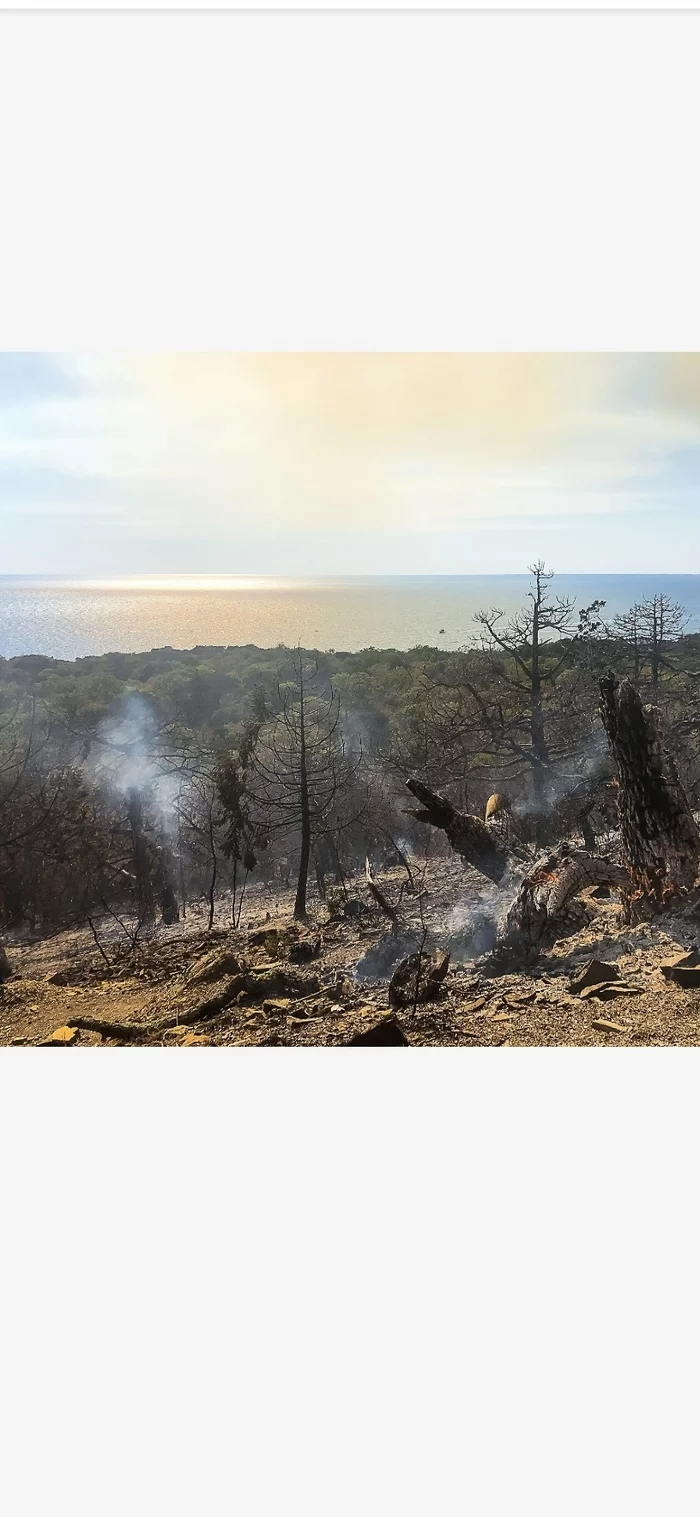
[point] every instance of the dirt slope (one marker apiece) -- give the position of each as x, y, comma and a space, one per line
325, 999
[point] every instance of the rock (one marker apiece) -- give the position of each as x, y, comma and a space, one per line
280, 1006
609, 991
193, 1038
385, 1034
215, 967
418, 978
62, 1037
595, 972
59, 978
18, 1042
683, 969
257, 936
274, 937
305, 949
471, 1006
280, 982
601, 1025
687, 976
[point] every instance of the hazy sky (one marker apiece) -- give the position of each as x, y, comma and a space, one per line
349, 463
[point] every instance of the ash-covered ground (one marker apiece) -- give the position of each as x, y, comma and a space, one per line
271, 983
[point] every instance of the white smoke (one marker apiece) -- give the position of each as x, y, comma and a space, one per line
126, 757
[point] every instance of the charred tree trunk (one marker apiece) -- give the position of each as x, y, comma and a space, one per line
305, 809
480, 843
142, 858
538, 741
169, 910
5, 965
545, 893
326, 861
320, 877
660, 840
379, 896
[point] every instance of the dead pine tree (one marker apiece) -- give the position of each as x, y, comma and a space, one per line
649, 631
529, 655
304, 781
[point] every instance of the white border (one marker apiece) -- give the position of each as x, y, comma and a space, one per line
254, 181
298, 1283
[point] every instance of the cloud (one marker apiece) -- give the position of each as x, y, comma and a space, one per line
227, 451
27, 377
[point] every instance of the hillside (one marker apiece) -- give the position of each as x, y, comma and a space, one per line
325, 1000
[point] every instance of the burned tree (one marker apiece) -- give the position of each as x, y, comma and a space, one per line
649, 630
517, 710
242, 837
303, 776
481, 844
546, 890
200, 826
546, 893
660, 839
143, 861
528, 672
659, 836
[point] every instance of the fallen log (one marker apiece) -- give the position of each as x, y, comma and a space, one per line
205, 1010
126, 1032
659, 835
482, 843
544, 892
129, 1032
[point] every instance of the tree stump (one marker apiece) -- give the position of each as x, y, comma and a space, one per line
546, 892
660, 839
418, 978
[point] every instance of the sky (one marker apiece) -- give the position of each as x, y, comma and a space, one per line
348, 463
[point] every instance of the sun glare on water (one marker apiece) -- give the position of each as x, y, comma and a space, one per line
196, 583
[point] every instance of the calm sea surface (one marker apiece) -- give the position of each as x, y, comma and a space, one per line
70, 618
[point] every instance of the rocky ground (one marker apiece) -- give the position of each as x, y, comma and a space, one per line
271, 984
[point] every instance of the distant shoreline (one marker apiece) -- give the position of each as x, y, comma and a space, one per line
67, 618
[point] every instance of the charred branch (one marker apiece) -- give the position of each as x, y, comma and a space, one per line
478, 842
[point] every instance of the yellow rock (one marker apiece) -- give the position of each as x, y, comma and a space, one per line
192, 1038
64, 1035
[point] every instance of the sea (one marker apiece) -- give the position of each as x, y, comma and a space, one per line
71, 618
